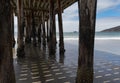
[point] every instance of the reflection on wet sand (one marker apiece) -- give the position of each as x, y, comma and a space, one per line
39, 67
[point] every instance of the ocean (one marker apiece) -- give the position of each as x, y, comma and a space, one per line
98, 35
104, 41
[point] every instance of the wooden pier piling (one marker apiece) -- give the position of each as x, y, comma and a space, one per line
39, 12
6, 43
20, 49
87, 17
61, 36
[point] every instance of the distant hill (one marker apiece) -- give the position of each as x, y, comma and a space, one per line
114, 29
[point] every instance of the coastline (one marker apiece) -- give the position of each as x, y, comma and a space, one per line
105, 44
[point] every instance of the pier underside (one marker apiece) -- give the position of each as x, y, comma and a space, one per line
37, 58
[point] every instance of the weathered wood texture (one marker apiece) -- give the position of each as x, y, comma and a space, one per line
54, 26
47, 31
61, 38
28, 30
52, 41
20, 49
33, 30
43, 29
87, 16
39, 34
6, 60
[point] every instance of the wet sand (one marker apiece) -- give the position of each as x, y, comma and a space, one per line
39, 67
106, 59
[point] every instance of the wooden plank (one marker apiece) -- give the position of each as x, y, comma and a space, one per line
38, 4
42, 4
39, 9
46, 4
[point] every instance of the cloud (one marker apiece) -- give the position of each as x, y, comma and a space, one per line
70, 19
15, 24
107, 22
71, 12
69, 26
101, 23
15, 20
104, 5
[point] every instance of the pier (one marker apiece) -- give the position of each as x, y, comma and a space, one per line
37, 38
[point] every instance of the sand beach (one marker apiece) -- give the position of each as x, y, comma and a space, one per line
106, 63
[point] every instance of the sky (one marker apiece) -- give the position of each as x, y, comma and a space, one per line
108, 16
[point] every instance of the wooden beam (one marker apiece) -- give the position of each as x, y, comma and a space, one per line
30, 3
45, 4
38, 3
33, 3
12, 3
28, 30
37, 18
33, 30
39, 34
42, 4
47, 31
43, 28
39, 9
87, 17
54, 27
6, 55
20, 49
26, 3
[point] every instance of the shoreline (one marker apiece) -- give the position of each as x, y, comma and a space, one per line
105, 44
97, 38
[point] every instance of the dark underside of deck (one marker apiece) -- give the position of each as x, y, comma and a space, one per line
39, 67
